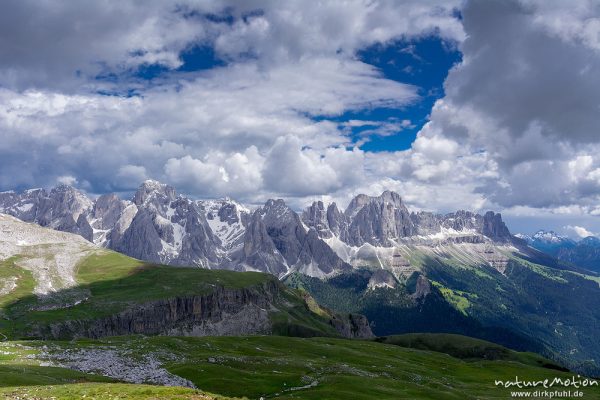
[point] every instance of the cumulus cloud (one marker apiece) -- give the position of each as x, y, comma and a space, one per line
229, 130
207, 124
292, 170
61, 45
580, 231
517, 128
526, 99
291, 30
67, 180
218, 174
130, 175
65, 45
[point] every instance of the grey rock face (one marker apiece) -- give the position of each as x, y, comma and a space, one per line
376, 220
327, 222
353, 326
380, 221
277, 241
199, 245
60, 209
284, 228
385, 221
316, 217
228, 221
494, 227
140, 240
222, 312
107, 211
153, 194
259, 251
338, 223
157, 226
382, 278
422, 287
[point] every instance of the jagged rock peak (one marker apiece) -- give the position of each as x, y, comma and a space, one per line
549, 236
67, 193
154, 190
316, 216
387, 197
494, 227
390, 197
63, 187
276, 209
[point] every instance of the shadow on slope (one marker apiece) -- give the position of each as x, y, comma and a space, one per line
467, 348
117, 291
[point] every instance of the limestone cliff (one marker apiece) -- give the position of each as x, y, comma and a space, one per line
223, 312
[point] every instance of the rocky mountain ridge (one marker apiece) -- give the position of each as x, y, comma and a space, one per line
157, 225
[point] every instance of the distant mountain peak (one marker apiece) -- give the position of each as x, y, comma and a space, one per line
590, 241
151, 190
391, 197
361, 200
549, 237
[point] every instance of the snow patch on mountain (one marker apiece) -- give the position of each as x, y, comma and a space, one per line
549, 237
225, 218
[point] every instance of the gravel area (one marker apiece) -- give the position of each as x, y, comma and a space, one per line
50, 255
118, 364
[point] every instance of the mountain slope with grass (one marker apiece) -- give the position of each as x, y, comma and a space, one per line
527, 305
460, 272
136, 330
276, 367
57, 285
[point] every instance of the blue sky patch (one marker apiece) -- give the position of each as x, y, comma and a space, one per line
424, 63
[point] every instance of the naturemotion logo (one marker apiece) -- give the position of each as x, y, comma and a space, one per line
573, 382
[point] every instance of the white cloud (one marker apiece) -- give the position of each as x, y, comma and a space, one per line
521, 109
294, 171
131, 175
67, 180
517, 128
291, 30
65, 45
61, 45
218, 174
195, 131
580, 231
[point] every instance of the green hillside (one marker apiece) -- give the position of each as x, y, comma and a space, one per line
467, 348
276, 367
114, 289
526, 305
110, 283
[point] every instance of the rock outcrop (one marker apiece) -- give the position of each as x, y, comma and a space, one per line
223, 312
353, 326
277, 241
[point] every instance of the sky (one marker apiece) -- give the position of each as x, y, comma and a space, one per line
483, 104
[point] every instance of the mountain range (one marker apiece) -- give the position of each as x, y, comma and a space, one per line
406, 271
157, 225
584, 253
81, 321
